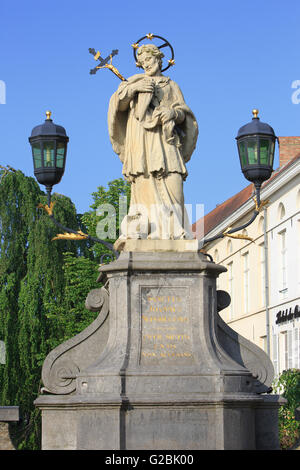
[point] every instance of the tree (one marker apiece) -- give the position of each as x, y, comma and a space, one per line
70, 317
31, 273
80, 272
43, 286
116, 197
18, 200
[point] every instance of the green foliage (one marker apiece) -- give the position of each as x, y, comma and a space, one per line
18, 200
31, 275
288, 385
69, 316
117, 195
43, 286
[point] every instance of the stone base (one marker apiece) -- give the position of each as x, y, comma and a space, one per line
167, 374
237, 423
5, 440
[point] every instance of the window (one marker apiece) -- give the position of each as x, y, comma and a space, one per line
245, 234
296, 348
283, 266
262, 274
284, 346
246, 281
261, 225
216, 259
298, 249
229, 247
264, 343
298, 200
281, 211
275, 354
230, 287
286, 350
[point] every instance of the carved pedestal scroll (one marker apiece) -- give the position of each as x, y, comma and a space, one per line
64, 363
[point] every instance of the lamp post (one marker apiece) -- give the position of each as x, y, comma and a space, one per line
256, 147
49, 150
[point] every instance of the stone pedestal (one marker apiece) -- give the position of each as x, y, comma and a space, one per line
158, 368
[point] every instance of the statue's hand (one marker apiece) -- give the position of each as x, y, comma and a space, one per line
143, 86
166, 114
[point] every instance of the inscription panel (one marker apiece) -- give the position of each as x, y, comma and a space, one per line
166, 326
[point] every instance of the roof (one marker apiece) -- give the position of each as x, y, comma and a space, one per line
224, 210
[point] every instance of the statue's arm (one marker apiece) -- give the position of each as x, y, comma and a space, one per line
127, 90
125, 95
175, 108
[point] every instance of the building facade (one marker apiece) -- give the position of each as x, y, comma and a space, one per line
263, 268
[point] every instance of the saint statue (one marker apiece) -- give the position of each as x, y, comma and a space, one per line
154, 133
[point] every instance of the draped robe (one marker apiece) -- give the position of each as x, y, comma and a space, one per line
154, 156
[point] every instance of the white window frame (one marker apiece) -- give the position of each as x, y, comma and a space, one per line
275, 354
246, 282
230, 288
263, 273
283, 263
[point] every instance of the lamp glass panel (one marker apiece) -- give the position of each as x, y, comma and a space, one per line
37, 155
49, 154
60, 154
264, 151
252, 152
242, 151
272, 149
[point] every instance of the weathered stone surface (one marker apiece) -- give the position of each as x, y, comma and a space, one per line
9, 413
154, 133
5, 441
169, 374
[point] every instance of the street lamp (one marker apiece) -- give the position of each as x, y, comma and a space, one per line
49, 150
256, 146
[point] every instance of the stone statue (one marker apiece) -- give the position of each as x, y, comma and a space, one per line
154, 133
158, 368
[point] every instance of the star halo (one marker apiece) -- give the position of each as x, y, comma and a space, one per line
165, 43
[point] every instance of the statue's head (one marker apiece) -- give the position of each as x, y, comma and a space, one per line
149, 57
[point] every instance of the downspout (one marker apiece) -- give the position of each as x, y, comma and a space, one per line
267, 282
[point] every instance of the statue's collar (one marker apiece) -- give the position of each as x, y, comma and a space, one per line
160, 80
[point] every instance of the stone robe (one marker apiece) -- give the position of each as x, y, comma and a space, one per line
153, 156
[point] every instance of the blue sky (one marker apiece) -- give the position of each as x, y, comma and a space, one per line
231, 56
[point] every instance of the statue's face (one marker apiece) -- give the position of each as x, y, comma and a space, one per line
150, 64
